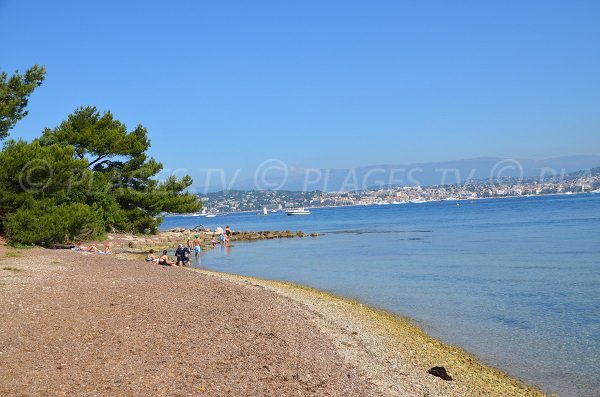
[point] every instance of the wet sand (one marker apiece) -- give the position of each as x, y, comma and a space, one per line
92, 324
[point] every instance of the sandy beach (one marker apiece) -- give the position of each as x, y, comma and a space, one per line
92, 324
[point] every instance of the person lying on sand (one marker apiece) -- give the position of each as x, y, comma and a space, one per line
165, 261
151, 258
92, 248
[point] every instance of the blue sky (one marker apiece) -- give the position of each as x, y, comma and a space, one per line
318, 83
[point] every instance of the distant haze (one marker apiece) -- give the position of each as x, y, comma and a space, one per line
276, 175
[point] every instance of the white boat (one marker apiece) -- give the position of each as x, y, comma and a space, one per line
211, 215
418, 201
193, 214
273, 211
264, 212
297, 211
595, 191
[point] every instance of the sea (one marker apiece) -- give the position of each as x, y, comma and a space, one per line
515, 281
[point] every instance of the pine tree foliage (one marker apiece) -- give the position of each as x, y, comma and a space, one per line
87, 176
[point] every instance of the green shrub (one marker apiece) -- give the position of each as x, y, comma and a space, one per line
45, 224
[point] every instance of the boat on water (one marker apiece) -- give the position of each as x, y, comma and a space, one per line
211, 215
203, 213
297, 211
264, 212
273, 211
189, 214
195, 214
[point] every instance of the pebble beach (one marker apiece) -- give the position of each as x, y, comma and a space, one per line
93, 324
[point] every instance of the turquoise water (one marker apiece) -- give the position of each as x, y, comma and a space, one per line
514, 281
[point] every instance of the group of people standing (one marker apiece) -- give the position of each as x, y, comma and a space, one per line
183, 253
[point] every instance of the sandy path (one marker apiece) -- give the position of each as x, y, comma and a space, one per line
74, 324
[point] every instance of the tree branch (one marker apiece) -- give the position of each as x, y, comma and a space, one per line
97, 159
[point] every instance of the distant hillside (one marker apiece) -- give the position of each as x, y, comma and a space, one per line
418, 174
591, 172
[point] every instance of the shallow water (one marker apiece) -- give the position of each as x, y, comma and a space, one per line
514, 281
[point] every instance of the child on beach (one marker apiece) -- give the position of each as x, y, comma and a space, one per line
151, 258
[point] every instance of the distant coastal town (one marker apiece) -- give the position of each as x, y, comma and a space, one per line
255, 200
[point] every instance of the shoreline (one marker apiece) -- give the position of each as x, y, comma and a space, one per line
396, 204
390, 347
382, 353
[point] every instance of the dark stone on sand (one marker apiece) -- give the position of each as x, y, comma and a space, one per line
440, 372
